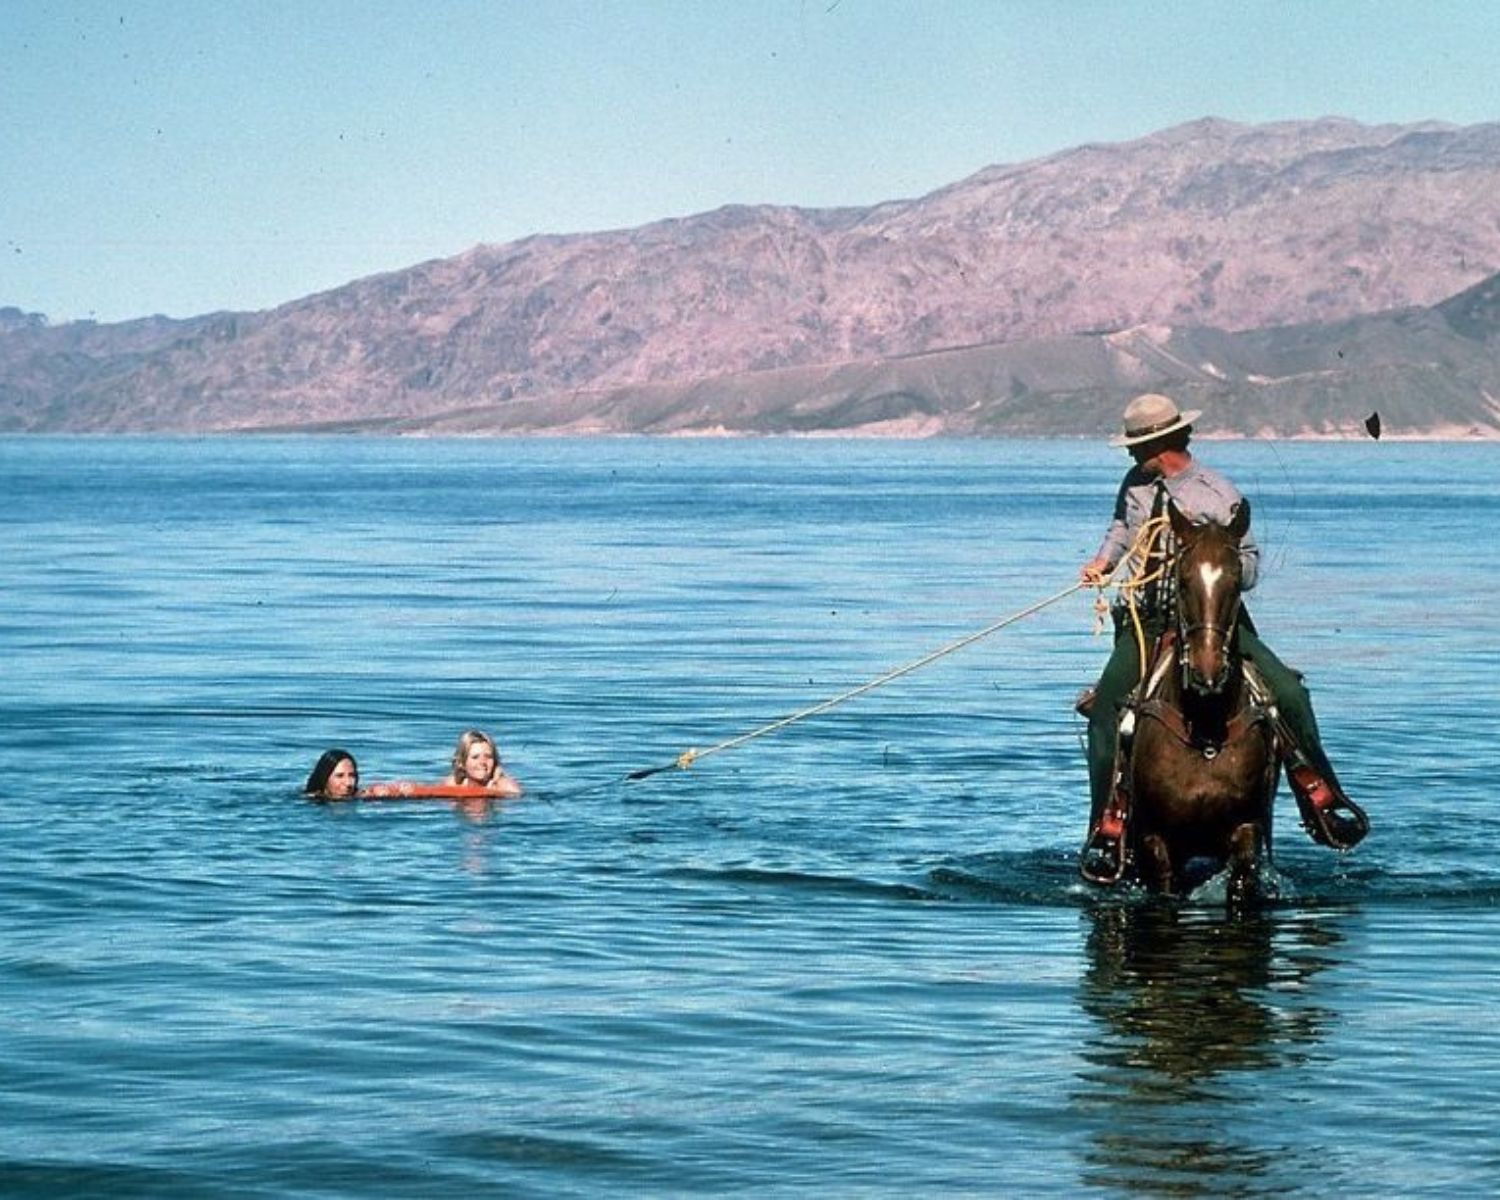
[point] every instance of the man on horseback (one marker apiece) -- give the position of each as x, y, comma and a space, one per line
1157, 436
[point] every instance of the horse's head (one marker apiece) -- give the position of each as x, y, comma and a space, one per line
1208, 595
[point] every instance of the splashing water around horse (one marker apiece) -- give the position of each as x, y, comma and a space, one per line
1203, 765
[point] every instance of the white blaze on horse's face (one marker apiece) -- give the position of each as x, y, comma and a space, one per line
1208, 605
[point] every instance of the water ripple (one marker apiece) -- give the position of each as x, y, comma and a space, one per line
854, 957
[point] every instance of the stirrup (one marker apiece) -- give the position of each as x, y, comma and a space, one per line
1330, 817
1102, 859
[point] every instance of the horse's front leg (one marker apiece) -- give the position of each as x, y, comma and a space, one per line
1156, 864
1246, 845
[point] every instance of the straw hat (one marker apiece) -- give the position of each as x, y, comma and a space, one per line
1150, 417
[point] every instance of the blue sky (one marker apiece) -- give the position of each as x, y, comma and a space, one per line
182, 158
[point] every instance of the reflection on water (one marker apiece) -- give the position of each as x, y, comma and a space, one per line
1182, 1001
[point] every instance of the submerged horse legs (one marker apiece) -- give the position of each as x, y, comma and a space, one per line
1246, 849
1155, 867
1246, 844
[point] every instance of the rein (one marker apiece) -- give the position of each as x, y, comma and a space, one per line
1224, 629
1175, 717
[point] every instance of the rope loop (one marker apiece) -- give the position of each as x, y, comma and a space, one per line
1151, 537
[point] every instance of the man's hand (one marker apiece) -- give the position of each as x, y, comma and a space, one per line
1094, 573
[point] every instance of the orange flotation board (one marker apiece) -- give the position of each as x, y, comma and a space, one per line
406, 789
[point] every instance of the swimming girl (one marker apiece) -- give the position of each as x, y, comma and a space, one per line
476, 763
335, 776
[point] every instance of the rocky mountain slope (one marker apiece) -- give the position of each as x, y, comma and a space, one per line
1430, 372
967, 310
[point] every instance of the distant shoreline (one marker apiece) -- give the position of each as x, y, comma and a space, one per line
1451, 437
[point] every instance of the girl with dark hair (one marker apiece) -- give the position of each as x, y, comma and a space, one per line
335, 776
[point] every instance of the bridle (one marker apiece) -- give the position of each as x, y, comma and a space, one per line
1224, 628
1186, 631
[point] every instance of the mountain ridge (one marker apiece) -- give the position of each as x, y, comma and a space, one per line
1206, 225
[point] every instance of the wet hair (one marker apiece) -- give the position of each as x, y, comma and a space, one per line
466, 742
327, 764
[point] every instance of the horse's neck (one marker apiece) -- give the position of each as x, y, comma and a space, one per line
1201, 712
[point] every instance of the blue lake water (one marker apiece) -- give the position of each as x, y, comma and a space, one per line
851, 958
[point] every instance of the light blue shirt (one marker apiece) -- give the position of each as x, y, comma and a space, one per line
1200, 492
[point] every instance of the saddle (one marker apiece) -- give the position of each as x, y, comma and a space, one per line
1329, 816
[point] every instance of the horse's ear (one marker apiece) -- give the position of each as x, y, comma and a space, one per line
1182, 527
1239, 519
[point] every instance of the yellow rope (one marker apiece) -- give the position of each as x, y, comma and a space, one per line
688, 757
1151, 532
1140, 551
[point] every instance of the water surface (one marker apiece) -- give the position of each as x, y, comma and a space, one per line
852, 957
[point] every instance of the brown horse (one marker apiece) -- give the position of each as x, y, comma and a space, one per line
1203, 760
